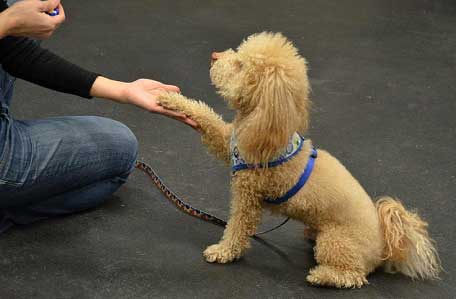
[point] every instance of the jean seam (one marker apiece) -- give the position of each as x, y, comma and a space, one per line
30, 150
3, 153
113, 179
10, 183
50, 172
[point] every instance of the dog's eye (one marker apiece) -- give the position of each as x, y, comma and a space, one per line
238, 64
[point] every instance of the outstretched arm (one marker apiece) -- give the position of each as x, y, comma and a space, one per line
24, 58
215, 132
142, 93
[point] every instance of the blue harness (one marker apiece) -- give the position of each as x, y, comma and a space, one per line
294, 147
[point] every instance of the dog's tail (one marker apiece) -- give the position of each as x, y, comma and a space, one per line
408, 247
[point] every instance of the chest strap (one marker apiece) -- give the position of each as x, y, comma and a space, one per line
238, 163
302, 181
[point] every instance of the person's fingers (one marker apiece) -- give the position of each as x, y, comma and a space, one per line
150, 81
152, 84
49, 5
186, 120
191, 123
178, 116
172, 88
155, 92
164, 111
60, 18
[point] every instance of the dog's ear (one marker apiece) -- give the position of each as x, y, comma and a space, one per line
273, 118
275, 101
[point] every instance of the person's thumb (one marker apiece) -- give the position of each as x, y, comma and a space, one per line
49, 5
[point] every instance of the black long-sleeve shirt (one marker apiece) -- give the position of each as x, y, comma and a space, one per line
25, 59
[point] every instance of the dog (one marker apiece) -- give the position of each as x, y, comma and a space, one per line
265, 81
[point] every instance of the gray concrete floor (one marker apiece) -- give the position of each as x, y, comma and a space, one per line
383, 76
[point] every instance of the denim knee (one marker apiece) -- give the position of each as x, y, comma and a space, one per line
117, 140
128, 146
57, 155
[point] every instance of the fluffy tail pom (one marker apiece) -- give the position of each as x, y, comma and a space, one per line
408, 247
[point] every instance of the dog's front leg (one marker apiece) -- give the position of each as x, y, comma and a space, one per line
215, 133
245, 215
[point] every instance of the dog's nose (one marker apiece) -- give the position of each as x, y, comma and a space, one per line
214, 57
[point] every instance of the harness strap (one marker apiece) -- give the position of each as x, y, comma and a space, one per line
293, 148
302, 181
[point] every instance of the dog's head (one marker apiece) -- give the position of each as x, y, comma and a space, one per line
266, 82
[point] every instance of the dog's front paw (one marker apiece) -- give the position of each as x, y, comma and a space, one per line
220, 253
171, 100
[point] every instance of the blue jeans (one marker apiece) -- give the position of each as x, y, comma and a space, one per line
60, 165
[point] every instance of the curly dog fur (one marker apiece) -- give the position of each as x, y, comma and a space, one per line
265, 81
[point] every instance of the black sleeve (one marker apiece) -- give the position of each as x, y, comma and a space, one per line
25, 59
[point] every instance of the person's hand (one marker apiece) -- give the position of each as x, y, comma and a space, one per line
28, 18
142, 93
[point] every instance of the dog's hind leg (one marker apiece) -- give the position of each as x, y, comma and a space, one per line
340, 262
216, 133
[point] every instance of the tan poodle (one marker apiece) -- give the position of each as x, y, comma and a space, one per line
265, 82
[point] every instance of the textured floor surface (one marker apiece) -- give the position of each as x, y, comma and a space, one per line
383, 76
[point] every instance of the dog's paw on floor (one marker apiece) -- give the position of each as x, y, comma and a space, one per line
220, 253
329, 276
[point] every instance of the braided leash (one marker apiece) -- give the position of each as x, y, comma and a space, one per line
185, 207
